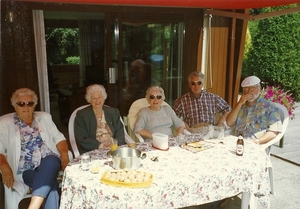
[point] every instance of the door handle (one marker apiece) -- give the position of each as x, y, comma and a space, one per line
112, 75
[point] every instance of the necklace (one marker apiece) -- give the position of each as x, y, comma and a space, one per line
98, 115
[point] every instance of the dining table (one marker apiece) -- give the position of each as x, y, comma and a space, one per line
181, 177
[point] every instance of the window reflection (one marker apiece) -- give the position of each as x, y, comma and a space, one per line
151, 57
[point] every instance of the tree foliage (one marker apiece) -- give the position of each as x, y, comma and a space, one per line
274, 53
61, 43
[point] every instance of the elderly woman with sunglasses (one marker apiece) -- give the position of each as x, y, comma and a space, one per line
157, 118
32, 152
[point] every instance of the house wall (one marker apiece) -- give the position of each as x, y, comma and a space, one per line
18, 56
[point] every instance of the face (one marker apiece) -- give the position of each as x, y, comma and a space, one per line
155, 102
252, 90
194, 85
25, 106
97, 100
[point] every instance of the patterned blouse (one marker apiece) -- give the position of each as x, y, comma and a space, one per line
33, 149
103, 133
254, 121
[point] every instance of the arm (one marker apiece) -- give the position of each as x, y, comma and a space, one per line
139, 126
85, 131
7, 174
232, 116
268, 136
117, 127
177, 122
62, 147
222, 118
179, 130
144, 133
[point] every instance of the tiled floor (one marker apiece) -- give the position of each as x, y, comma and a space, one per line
290, 150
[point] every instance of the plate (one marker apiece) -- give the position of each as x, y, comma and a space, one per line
196, 146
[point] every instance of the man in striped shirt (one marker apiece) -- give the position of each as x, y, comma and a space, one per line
198, 108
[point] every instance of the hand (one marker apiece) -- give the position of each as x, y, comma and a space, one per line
255, 141
64, 161
7, 176
245, 97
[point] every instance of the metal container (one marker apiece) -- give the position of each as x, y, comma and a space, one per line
129, 158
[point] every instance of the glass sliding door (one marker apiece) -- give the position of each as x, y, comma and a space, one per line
150, 53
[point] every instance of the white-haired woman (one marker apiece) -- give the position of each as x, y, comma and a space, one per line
157, 118
32, 152
96, 125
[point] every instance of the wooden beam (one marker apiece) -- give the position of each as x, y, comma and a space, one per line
229, 14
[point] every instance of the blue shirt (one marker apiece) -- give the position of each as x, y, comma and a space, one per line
254, 121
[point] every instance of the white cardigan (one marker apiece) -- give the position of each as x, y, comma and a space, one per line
10, 146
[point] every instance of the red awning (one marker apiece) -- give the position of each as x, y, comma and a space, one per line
218, 4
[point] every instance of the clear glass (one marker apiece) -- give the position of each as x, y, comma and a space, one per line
85, 162
151, 55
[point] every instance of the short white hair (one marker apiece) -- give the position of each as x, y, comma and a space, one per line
22, 92
92, 88
155, 88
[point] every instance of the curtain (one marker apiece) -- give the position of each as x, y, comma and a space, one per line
41, 59
84, 48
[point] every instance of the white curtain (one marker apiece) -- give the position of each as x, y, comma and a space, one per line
84, 47
41, 59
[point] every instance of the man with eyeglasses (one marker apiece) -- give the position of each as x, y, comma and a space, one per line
257, 118
198, 108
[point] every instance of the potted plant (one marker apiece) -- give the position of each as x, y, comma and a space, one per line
279, 95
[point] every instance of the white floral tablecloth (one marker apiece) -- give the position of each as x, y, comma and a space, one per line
180, 178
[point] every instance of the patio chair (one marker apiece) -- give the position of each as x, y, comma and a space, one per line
72, 139
284, 115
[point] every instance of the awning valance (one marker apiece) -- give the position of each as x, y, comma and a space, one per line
218, 4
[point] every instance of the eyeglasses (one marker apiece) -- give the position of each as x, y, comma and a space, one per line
22, 104
157, 96
196, 82
251, 87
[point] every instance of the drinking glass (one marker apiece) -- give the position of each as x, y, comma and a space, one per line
114, 145
85, 161
95, 164
219, 132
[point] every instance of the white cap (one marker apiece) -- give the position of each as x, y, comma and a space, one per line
250, 81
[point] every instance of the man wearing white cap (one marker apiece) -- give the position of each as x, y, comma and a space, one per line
254, 116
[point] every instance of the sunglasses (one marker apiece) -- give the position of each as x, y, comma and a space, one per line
157, 96
196, 82
22, 104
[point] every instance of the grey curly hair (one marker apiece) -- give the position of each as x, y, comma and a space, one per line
153, 88
92, 88
22, 92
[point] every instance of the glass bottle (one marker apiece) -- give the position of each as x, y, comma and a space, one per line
240, 145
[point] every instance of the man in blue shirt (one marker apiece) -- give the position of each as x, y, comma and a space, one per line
254, 116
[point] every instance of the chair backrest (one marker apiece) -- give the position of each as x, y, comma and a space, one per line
284, 115
71, 131
133, 113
